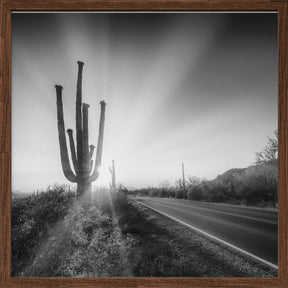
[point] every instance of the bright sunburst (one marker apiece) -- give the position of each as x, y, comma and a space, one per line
167, 80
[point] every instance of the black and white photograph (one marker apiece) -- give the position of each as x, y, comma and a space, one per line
144, 144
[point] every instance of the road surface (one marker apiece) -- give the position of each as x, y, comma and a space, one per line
252, 230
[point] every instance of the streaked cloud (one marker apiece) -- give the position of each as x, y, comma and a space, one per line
194, 88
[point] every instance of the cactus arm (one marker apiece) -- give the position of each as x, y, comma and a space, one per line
62, 137
72, 149
101, 134
85, 139
92, 148
91, 151
95, 173
79, 118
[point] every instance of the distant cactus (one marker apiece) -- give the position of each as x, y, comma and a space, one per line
184, 183
81, 156
113, 176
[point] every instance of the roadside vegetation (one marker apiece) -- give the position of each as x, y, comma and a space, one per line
256, 185
31, 218
54, 235
57, 237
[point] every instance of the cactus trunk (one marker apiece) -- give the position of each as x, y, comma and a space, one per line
84, 191
82, 155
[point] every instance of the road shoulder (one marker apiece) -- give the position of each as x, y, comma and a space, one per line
205, 257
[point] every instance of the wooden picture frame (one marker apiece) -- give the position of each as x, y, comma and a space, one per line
7, 6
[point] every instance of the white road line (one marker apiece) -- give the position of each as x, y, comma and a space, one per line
220, 212
214, 238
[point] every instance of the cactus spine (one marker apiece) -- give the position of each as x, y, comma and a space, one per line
82, 154
113, 176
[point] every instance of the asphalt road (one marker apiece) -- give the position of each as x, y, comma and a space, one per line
253, 230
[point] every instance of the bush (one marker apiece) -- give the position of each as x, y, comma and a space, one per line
180, 194
196, 193
87, 243
260, 184
31, 219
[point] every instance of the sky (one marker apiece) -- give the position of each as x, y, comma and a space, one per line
192, 88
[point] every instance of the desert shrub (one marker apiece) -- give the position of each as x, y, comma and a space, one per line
260, 184
255, 185
87, 242
196, 193
180, 194
154, 192
163, 192
110, 202
217, 191
31, 219
171, 193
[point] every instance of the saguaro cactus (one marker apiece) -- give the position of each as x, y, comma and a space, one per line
82, 155
113, 176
